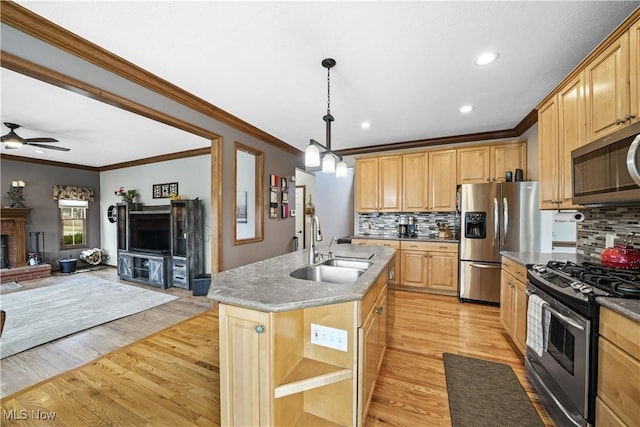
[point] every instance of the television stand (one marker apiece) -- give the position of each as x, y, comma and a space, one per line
144, 268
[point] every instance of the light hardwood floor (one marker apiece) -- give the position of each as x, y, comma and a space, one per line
171, 378
34, 365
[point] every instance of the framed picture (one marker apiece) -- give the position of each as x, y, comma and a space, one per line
163, 191
241, 203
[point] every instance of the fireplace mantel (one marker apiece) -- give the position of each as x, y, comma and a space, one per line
6, 213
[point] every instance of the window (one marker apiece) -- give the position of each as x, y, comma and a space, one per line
73, 223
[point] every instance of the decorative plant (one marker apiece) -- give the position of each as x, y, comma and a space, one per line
127, 195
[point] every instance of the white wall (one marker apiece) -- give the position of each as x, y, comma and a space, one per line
193, 176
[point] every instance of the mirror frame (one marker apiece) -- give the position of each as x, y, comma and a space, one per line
259, 194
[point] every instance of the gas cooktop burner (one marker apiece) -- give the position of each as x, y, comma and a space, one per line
622, 283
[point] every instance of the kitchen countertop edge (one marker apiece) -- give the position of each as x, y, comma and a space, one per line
405, 239
629, 308
266, 285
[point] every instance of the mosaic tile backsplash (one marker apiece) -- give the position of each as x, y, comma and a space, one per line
386, 224
598, 222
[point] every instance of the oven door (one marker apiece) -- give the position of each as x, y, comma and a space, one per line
561, 372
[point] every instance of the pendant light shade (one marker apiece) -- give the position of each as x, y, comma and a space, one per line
341, 170
312, 156
328, 163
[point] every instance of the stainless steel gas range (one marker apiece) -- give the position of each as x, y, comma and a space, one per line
562, 338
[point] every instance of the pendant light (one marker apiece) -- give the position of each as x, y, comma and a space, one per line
312, 152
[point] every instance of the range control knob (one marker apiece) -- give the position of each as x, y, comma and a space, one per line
539, 268
577, 285
586, 289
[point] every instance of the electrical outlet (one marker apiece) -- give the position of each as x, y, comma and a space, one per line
329, 337
610, 240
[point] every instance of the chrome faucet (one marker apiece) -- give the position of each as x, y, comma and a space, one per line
315, 235
330, 254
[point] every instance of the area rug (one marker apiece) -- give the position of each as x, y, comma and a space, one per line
37, 316
9, 286
483, 393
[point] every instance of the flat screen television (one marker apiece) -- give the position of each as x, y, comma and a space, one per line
150, 232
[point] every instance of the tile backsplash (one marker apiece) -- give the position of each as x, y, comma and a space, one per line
598, 222
386, 224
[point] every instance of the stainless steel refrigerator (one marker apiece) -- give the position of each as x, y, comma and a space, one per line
494, 217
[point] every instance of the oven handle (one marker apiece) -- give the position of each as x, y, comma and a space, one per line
555, 312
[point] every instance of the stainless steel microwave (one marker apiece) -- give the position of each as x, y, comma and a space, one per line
605, 171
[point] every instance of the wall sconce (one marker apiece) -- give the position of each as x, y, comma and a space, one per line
15, 195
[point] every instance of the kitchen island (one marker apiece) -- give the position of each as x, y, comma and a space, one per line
300, 352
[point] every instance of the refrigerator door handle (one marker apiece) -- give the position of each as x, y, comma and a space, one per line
495, 219
505, 217
474, 265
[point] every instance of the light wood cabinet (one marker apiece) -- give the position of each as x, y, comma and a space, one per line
608, 77
429, 266
442, 181
367, 185
562, 128
429, 181
393, 267
489, 163
618, 400
373, 341
513, 302
271, 372
379, 184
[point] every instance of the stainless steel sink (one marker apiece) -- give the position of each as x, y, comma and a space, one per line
348, 263
328, 273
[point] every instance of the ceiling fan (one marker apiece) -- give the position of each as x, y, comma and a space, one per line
13, 141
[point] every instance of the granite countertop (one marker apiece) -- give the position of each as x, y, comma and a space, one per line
531, 258
403, 239
267, 286
627, 307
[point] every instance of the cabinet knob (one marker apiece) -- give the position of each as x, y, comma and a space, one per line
619, 121
629, 117
379, 310
259, 329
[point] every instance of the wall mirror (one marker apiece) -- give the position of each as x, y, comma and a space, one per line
248, 204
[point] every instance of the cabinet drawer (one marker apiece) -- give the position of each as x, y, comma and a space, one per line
429, 246
620, 330
395, 244
516, 270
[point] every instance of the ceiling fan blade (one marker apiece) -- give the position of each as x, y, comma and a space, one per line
45, 139
50, 147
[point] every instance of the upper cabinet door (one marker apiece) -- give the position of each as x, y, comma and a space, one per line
474, 165
390, 183
571, 134
414, 182
608, 93
548, 154
367, 185
508, 157
442, 181
634, 70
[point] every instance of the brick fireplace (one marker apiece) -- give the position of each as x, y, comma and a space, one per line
13, 222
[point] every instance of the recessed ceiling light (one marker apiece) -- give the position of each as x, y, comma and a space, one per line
486, 58
39, 151
365, 125
466, 109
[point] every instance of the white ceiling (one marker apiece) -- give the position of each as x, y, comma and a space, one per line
404, 66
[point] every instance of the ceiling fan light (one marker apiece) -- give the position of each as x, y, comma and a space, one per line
12, 144
328, 163
311, 156
341, 169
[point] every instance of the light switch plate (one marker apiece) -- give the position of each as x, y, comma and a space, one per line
610, 240
329, 337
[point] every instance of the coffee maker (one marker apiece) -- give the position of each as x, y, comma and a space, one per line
412, 227
403, 225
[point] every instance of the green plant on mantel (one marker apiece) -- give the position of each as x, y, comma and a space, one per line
126, 195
